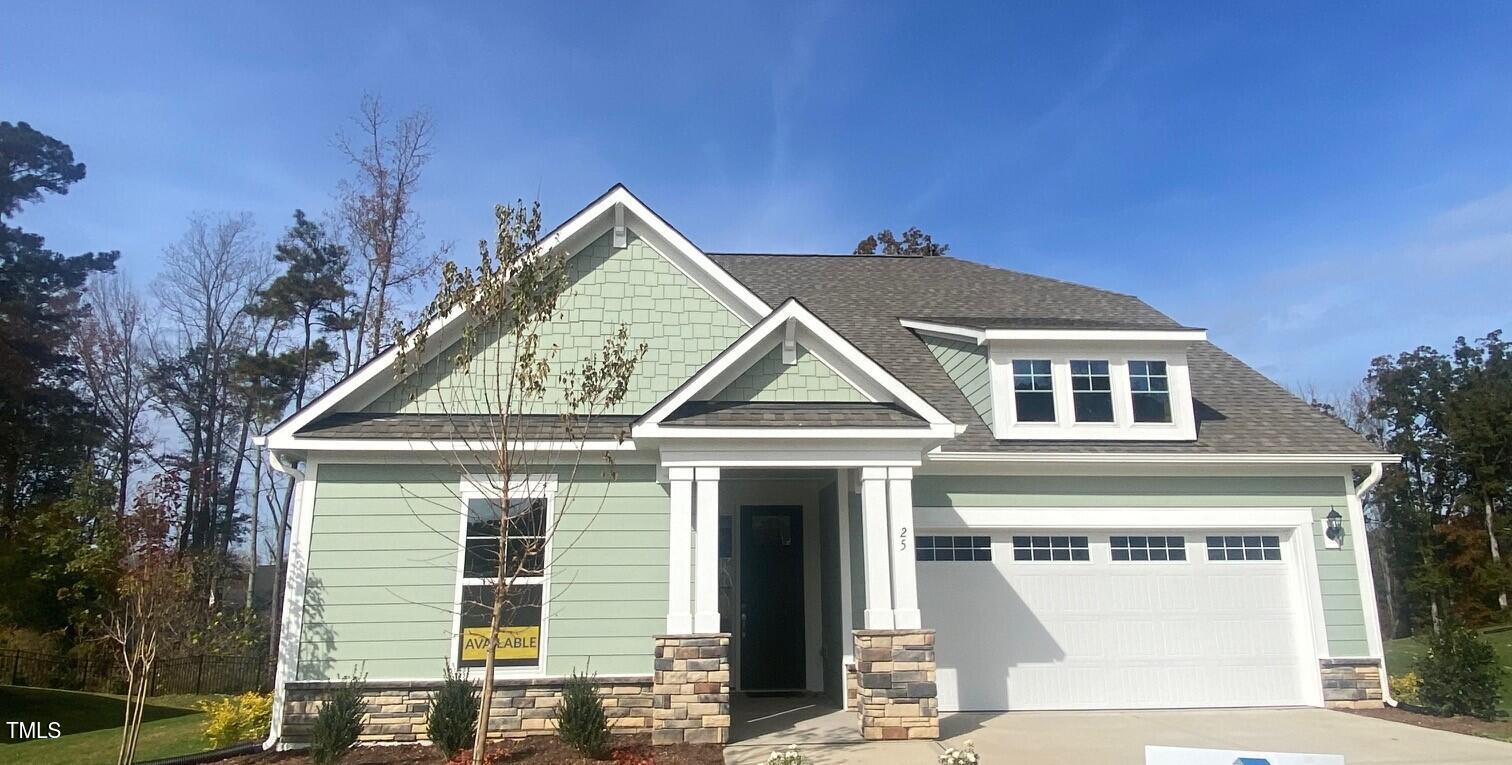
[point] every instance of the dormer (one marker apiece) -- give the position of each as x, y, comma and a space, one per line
1077, 380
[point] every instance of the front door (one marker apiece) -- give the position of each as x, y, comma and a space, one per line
771, 598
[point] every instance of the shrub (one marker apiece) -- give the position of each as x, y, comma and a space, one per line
788, 756
1459, 674
966, 756
234, 719
1406, 688
452, 718
580, 719
338, 723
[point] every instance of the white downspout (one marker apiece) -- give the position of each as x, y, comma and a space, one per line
1367, 583
285, 659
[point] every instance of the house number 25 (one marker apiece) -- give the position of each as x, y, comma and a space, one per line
903, 539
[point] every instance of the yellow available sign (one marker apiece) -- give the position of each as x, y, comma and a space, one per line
514, 643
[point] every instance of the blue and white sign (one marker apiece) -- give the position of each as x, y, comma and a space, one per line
1178, 755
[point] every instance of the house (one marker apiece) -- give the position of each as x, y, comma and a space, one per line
904, 485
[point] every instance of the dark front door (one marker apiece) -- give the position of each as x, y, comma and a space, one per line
771, 598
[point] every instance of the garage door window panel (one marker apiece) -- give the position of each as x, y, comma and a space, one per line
1145, 548
953, 548
1244, 547
1051, 549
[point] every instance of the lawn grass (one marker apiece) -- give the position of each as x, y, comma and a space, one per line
1403, 653
91, 726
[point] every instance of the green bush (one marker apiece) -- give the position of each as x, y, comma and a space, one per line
338, 724
1459, 674
235, 719
580, 719
452, 718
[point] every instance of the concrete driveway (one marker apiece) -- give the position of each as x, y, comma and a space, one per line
1119, 738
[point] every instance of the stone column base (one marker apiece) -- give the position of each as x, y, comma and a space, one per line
691, 689
896, 694
1351, 683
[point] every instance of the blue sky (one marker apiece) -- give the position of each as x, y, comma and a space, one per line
1317, 184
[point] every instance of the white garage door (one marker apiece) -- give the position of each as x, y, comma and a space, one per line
1112, 619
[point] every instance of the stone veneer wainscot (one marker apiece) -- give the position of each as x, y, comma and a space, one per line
896, 696
394, 712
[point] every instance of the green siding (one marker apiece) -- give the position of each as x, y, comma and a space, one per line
383, 566
966, 363
771, 380
682, 326
1343, 611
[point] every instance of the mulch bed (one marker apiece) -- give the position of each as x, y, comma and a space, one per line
535, 750
1470, 726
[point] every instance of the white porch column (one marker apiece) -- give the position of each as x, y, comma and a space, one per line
680, 554
706, 554
905, 591
879, 613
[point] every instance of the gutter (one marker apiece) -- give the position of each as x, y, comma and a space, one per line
1377, 470
275, 724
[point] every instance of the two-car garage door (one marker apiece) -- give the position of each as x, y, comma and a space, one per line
1110, 619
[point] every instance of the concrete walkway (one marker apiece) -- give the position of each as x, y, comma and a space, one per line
828, 737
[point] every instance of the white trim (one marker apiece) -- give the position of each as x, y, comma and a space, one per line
431, 445
542, 486
723, 287
981, 336
680, 552
760, 339
847, 621
874, 544
900, 548
706, 551
1360, 541
1005, 425
1135, 458
297, 573
1311, 634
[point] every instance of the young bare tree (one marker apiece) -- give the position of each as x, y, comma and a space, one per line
534, 405
112, 343
377, 210
151, 609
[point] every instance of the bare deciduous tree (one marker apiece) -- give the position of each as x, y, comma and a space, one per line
112, 343
377, 208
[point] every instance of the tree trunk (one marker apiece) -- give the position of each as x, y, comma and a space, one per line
1501, 597
252, 538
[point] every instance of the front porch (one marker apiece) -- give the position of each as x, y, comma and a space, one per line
806, 577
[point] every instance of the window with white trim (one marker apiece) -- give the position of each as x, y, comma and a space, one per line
1150, 391
1033, 391
1040, 548
521, 531
953, 548
1092, 390
1147, 548
1230, 547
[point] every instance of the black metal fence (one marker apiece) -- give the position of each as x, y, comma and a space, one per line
204, 673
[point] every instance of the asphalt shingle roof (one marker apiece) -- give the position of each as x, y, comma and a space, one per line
793, 414
1239, 410
458, 427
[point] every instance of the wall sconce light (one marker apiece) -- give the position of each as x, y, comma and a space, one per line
1333, 529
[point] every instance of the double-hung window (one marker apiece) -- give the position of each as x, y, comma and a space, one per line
1033, 391
1150, 387
1092, 390
517, 526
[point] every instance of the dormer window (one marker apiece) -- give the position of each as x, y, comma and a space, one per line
1063, 379
1033, 391
1150, 389
1092, 390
